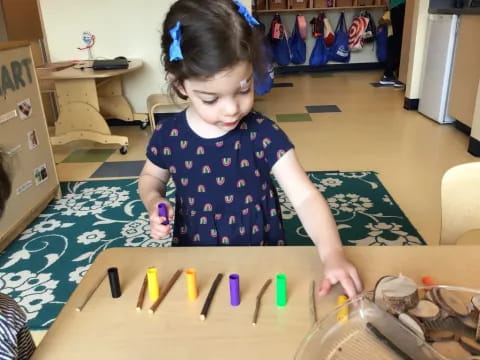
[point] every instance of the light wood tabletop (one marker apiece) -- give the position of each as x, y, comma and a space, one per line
83, 70
110, 328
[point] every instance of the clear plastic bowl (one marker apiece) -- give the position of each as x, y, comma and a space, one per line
370, 333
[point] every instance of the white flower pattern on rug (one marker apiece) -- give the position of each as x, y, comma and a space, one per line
30, 290
45, 264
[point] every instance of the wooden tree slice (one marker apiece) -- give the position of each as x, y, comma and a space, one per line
476, 303
470, 345
468, 322
377, 293
451, 349
439, 335
453, 304
413, 324
477, 333
436, 299
428, 296
425, 310
399, 294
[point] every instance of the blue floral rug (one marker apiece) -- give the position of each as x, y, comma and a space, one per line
44, 265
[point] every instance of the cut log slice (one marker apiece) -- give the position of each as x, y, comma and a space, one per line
439, 335
451, 349
470, 345
468, 322
476, 302
425, 310
377, 292
399, 294
435, 298
474, 307
451, 303
428, 296
413, 324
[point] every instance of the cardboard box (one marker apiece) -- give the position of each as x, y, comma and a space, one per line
343, 3
277, 4
366, 2
261, 4
321, 4
299, 4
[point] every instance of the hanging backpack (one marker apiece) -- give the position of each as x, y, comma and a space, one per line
339, 50
382, 42
317, 25
279, 41
371, 30
263, 78
298, 48
319, 55
355, 33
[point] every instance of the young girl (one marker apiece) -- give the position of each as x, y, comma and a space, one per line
220, 153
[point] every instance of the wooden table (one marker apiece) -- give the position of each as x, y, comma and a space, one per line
87, 97
112, 329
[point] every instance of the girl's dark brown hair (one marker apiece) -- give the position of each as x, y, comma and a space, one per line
5, 185
214, 37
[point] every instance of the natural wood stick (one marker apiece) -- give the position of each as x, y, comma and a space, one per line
211, 293
162, 296
141, 294
89, 295
259, 300
313, 305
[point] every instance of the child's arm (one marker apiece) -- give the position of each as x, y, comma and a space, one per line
152, 187
319, 223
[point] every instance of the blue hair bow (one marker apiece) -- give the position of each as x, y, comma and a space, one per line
175, 51
242, 10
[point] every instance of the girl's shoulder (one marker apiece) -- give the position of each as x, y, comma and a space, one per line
170, 122
258, 122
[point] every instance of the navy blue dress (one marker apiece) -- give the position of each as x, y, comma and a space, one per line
225, 194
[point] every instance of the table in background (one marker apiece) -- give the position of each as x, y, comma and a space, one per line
112, 329
87, 97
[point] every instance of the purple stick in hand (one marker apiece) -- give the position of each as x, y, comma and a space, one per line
162, 211
234, 289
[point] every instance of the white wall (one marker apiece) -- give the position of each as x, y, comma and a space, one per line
417, 49
121, 27
366, 55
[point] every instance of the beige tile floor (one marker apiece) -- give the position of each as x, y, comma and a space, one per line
373, 132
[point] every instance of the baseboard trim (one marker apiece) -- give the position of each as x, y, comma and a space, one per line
280, 70
463, 128
411, 104
474, 147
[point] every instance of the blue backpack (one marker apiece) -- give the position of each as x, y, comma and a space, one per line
279, 42
382, 42
319, 55
339, 50
297, 45
263, 82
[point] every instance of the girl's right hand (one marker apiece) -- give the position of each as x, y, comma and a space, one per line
157, 229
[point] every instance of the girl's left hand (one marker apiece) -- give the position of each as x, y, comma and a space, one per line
337, 269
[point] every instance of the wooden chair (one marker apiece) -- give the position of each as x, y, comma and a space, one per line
159, 102
460, 199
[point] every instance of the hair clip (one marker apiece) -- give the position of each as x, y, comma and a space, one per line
175, 51
242, 10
